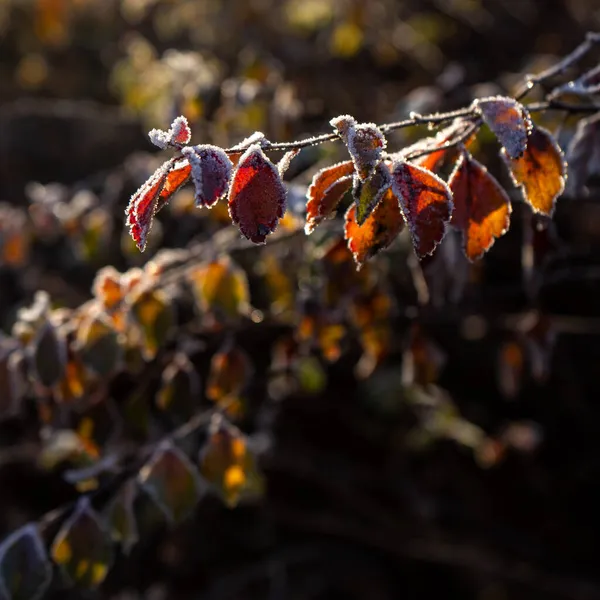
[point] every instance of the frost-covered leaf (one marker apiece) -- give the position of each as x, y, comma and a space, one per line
367, 193
177, 177
365, 143
379, 230
151, 310
257, 196
284, 163
98, 345
509, 121
583, 154
25, 571
172, 481
229, 465
220, 287
179, 134
82, 547
179, 391
481, 206
540, 172
48, 355
426, 203
143, 205
325, 192
121, 517
211, 172
230, 371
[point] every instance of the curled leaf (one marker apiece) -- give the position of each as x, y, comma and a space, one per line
426, 203
378, 231
177, 177
365, 143
509, 121
257, 196
172, 481
82, 547
211, 172
326, 190
179, 134
540, 172
481, 206
25, 571
369, 192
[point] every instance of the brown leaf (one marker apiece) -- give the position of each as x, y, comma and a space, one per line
426, 203
481, 206
540, 172
509, 121
377, 232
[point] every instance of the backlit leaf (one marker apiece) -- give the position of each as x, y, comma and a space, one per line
379, 230
583, 154
172, 481
82, 547
509, 121
48, 355
143, 204
151, 311
228, 464
365, 143
179, 392
369, 192
284, 163
25, 571
325, 192
257, 196
211, 172
540, 172
426, 203
220, 287
481, 206
121, 518
107, 287
97, 343
177, 177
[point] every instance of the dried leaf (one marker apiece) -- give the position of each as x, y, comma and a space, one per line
481, 206
48, 355
257, 196
25, 571
179, 392
377, 232
121, 517
540, 172
227, 463
151, 311
221, 287
98, 344
509, 121
211, 172
365, 143
325, 192
369, 192
426, 203
82, 547
172, 481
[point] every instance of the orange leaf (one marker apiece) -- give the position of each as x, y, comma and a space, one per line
257, 196
326, 190
509, 121
377, 232
540, 172
176, 178
481, 206
426, 203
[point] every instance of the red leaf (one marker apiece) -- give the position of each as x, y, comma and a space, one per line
369, 192
211, 171
176, 178
378, 231
481, 206
540, 172
143, 204
257, 196
426, 203
326, 190
180, 131
509, 121
364, 141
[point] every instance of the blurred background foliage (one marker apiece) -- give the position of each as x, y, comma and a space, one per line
417, 429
